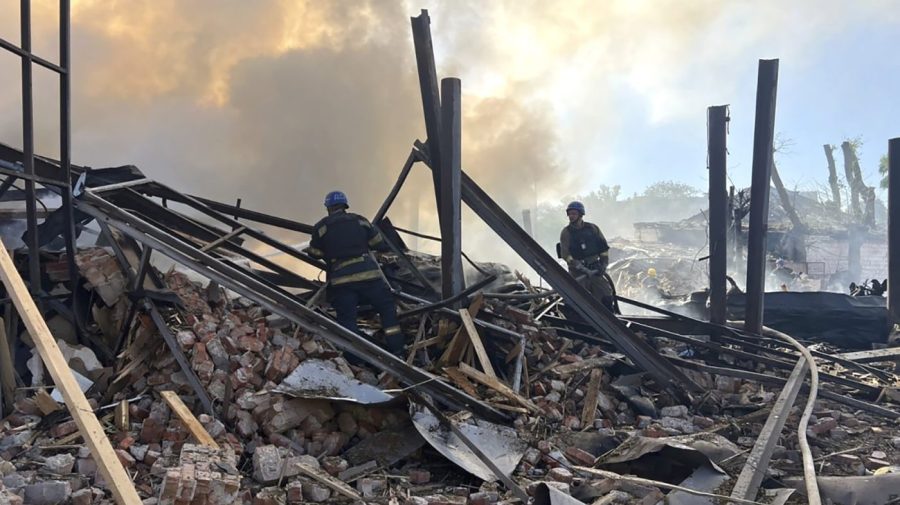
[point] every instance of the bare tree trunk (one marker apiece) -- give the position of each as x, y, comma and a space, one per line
850, 174
832, 177
786, 200
869, 197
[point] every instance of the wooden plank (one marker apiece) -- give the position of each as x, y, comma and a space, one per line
428, 342
7, 370
102, 451
476, 342
329, 481
45, 403
497, 386
461, 381
591, 399
122, 416
509, 408
514, 352
193, 425
457, 347
583, 365
419, 334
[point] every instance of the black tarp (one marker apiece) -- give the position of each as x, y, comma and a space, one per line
851, 322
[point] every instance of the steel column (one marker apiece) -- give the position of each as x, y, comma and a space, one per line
717, 124
431, 101
34, 265
894, 229
450, 215
65, 140
763, 135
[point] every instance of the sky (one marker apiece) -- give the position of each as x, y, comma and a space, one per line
278, 101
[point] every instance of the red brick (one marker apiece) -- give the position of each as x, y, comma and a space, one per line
126, 442
584, 458
418, 476
126, 458
294, 492
151, 431
63, 429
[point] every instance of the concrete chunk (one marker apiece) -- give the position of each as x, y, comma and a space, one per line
50, 492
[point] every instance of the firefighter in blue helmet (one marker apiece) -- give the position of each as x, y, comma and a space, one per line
343, 240
585, 250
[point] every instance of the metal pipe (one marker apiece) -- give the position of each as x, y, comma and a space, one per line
717, 125
447, 301
450, 215
894, 229
766, 90
404, 173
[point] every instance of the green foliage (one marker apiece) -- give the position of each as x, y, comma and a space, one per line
604, 194
671, 189
883, 170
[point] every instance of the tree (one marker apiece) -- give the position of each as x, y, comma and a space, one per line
883, 170
604, 194
671, 189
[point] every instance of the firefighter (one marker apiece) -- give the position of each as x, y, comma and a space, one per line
586, 252
343, 240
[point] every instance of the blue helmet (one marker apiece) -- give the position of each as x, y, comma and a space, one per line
336, 198
576, 206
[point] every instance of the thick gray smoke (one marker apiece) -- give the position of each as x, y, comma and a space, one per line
279, 101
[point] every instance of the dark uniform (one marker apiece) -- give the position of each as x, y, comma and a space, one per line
583, 245
343, 240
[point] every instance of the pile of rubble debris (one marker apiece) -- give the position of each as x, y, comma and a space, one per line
291, 420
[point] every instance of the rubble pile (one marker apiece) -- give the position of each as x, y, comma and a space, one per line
573, 404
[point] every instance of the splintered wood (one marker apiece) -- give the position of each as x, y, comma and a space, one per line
592, 398
91, 429
459, 343
193, 425
496, 385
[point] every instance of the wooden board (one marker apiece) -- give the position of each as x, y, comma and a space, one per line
329, 481
578, 366
193, 425
497, 386
591, 399
102, 451
476, 342
122, 416
45, 403
459, 344
461, 381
